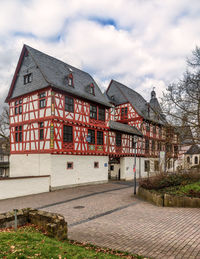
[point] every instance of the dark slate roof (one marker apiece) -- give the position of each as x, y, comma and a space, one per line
55, 74
185, 135
120, 93
124, 128
194, 149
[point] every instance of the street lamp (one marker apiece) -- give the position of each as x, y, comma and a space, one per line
134, 167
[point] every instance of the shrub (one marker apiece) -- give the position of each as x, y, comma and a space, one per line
163, 180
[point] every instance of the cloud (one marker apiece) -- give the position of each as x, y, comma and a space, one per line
140, 43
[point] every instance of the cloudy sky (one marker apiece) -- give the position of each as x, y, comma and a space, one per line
141, 43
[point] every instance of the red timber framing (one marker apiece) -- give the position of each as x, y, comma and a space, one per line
41, 119
153, 133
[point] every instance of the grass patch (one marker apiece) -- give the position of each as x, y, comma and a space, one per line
191, 190
29, 242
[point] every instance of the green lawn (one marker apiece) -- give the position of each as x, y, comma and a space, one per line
191, 190
29, 242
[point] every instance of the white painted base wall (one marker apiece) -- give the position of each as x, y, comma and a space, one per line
10, 188
30, 165
127, 164
56, 166
83, 170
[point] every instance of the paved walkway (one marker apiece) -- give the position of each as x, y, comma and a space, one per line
108, 215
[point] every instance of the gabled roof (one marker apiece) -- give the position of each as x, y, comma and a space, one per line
120, 94
124, 128
194, 149
54, 73
185, 135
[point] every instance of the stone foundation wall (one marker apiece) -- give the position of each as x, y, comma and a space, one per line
54, 224
167, 200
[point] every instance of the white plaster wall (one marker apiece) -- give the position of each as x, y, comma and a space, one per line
30, 164
83, 170
126, 164
21, 187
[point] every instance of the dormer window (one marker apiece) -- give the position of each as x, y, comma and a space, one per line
92, 89
70, 80
28, 78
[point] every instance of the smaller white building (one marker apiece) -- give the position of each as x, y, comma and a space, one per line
192, 157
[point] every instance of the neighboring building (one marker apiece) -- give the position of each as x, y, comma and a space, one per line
192, 157
185, 142
62, 126
132, 109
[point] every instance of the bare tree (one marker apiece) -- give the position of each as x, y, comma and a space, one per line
182, 100
4, 124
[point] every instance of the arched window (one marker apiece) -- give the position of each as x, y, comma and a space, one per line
196, 160
188, 159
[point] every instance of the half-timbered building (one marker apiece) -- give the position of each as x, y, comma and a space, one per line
132, 109
61, 125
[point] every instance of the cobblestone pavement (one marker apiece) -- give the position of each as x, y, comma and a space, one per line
108, 215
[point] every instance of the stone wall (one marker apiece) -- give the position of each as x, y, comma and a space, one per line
167, 200
54, 224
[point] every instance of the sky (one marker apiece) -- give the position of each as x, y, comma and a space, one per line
140, 43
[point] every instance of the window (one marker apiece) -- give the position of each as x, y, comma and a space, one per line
147, 145
70, 80
118, 139
27, 78
93, 112
18, 134
168, 147
18, 107
169, 164
154, 129
41, 132
153, 145
158, 146
176, 149
160, 131
147, 127
188, 159
196, 160
156, 165
112, 168
101, 114
146, 166
69, 165
99, 137
92, 89
96, 164
133, 143
124, 113
42, 100
67, 133
69, 104
91, 134
1, 172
